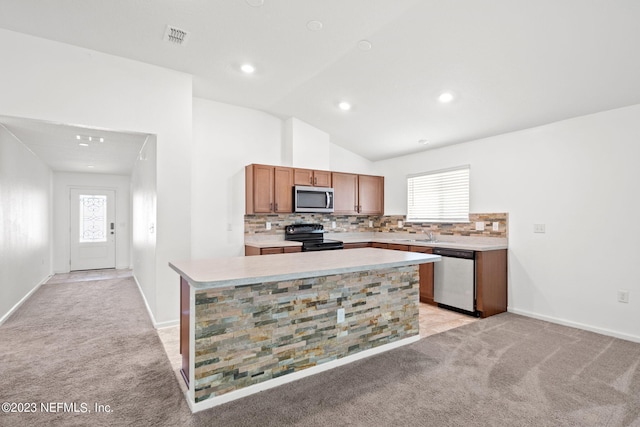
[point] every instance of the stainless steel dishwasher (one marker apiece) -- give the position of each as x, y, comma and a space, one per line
454, 282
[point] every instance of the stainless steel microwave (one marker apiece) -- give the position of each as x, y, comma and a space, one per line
312, 199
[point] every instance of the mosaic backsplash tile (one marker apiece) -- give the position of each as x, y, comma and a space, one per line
249, 334
256, 224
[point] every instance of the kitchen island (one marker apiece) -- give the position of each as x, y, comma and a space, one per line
252, 323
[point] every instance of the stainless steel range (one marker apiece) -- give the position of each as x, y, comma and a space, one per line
311, 236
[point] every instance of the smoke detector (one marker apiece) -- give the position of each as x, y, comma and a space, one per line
176, 35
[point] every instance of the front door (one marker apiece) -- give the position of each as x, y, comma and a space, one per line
92, 223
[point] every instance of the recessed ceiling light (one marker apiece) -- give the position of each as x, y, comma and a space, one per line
423, 141
314, 25
90, 166
255, 3
344, 106
248, 68
445, 97
364, 45
78, 137
83, 144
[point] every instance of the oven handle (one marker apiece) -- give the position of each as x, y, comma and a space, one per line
328, 199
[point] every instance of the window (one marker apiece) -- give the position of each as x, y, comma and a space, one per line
93, 218
439, 196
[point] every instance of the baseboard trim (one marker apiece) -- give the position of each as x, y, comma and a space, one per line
24, 298
256, 388
146, 303
156, 325
577, 325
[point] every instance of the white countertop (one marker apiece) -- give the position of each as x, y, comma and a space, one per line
238, 271
437, 244
468, 243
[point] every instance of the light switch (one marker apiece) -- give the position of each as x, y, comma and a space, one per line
400, 224
340, 316
496, 226
333, 224
267, 226
370, 224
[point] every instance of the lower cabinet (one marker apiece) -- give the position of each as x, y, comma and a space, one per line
357, 245
491, 282
252, 250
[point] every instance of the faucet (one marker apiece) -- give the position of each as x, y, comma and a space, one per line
430, 235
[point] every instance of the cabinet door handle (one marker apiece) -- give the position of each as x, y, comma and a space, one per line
276, 210
315, 181
311, 180
270, 206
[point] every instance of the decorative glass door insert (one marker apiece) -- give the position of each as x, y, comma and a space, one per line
93, 218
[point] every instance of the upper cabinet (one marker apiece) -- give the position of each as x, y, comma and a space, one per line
268, 189
312, 178
358, 194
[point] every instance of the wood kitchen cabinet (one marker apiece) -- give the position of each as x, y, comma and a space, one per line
357, 245
491, 282
358, 194
312, 178
268, 189
252, 250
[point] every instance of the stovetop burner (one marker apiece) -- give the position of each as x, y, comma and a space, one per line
311, 236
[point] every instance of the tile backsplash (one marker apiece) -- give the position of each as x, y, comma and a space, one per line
256, 224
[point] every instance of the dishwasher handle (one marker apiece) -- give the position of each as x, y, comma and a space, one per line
454, 253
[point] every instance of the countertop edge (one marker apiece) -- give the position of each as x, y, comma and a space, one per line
201, 284
480, 247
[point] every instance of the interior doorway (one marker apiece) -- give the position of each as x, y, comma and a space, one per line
92, 229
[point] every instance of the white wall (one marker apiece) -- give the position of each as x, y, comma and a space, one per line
226, 138
62, 183
342, 160
305, 146
25, 222
46, 80
144, 219
580, 178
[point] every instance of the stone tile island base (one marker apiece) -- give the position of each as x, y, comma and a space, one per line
248, 335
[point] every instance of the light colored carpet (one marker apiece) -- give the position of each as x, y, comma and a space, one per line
92, 342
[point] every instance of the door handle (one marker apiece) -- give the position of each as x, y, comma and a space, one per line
112, 228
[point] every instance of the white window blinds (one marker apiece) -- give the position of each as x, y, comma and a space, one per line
439, 196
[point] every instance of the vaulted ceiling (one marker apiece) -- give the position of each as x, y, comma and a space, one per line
509, 64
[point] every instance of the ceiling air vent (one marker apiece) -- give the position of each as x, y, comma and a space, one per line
176, 35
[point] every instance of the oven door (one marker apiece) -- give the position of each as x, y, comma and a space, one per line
312, 199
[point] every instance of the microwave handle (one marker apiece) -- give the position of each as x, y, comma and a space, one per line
328, 199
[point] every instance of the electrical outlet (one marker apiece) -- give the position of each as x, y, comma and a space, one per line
267, 225
479, 226
623, 296
333, 224
340, 315
370, 224
496, 226
539, 228
400, 224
